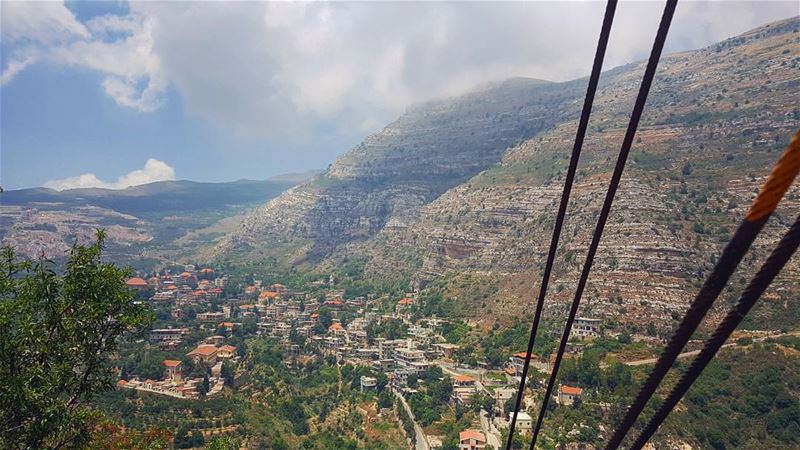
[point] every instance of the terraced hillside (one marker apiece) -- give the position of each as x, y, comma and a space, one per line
468, 187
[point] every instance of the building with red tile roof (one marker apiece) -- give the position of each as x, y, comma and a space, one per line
471, 440
205, 352
568, 394
173, 370
136, 282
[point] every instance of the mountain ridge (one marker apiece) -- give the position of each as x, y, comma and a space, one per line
471, 190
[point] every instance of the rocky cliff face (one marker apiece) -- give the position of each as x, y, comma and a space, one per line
471, 185
384, 182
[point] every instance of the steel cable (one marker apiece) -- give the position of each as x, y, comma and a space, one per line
769, 270
773, 190
591, 89
636, 114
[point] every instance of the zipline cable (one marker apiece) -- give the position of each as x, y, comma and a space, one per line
597, 67
771, 193
638, 108
769, 270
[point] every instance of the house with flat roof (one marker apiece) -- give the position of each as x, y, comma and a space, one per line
524, 423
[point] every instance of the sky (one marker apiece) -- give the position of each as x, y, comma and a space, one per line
113, 94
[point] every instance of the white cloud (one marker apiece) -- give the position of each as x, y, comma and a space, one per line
280, 69
42, 22
120, 47
154, 170
14, 67
265, 68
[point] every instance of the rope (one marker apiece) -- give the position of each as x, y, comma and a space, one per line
583, 123
638, 108
778, 182
769, 270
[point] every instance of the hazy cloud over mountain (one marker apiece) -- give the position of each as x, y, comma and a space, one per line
266, 68
252, 89
153, 170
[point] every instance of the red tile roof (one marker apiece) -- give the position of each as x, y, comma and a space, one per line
463, 379
569, 390
204, 350
405, 301
137, 282
471, 434
171, 363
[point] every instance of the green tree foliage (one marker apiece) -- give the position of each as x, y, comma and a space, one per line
56, 334
385, 399
325, 318
389, 329
222, 443
292, 410
227, 373
743, 400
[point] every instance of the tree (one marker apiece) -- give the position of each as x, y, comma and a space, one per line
222, 443
227, 373
382, 381
204, 387
56, 334
325, 318
508, 406
385, 399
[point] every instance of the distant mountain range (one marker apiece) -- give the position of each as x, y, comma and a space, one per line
162, 196
145, 224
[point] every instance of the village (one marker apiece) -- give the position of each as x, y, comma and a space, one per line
326, 325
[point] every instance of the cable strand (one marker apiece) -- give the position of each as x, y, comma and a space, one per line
641, 99
771, 192
769, 270
591, 89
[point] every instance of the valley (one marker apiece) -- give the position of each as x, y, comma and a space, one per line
385, 302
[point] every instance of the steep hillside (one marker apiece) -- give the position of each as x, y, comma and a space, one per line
453, 188
386, 180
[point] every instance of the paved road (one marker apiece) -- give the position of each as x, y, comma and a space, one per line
492, 438
420, 443
692, 353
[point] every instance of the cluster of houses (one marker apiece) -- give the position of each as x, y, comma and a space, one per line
189, 287
295, 320
212, 353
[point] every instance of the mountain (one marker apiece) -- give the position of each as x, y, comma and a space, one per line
460, 193
142, 222
180, 195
